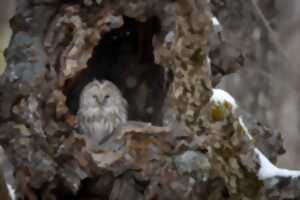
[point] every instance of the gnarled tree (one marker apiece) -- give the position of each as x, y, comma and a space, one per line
164, 56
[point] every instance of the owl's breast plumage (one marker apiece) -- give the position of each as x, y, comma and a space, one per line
98, 125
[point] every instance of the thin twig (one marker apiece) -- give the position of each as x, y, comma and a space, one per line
273, 36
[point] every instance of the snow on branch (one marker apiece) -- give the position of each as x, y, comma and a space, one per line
222, 97
268, 170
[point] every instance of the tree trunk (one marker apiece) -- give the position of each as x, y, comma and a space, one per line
158, 54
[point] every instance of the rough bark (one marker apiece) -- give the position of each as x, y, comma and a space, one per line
157, 53
3, 187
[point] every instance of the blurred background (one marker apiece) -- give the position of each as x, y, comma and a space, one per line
7, 8
268, 87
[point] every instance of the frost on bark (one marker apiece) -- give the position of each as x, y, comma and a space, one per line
165, 56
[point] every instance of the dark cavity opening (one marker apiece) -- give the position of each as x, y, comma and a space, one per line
125, 57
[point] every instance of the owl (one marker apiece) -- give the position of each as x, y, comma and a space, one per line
102, 109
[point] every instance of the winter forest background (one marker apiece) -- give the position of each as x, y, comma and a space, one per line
269, 87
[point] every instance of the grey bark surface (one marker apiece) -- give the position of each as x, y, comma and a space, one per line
155, 52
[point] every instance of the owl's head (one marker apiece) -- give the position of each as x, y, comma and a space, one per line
102, 95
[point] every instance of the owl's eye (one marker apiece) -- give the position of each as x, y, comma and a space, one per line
94, 96
106, 97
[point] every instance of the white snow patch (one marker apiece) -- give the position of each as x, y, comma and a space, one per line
216, 24
11, 192
215, 21
221, 96
268, 170
245, 128
208, 60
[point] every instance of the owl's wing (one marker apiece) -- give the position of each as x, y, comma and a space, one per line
82, 124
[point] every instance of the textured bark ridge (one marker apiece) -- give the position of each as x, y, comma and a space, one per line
164, 56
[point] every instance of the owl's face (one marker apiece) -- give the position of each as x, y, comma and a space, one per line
102, 97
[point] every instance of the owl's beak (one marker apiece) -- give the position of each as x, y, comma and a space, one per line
99, 101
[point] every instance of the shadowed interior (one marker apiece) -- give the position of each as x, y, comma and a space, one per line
125, 57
